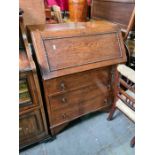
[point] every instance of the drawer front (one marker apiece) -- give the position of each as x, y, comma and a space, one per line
31, 128
69, 52
74, 97
94, 104
67, 114
64, 115
27, 92
73, 104
74, 81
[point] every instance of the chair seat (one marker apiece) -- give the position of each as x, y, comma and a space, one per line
126, 110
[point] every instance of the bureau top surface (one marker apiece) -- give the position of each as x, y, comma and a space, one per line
69, 48
87, 27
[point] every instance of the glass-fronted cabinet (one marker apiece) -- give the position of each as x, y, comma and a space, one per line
24, 94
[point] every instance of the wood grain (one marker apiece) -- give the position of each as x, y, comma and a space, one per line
71, 82
34, 11
76, 61
31, 128
117, 11
78, 43
62, 57
32, 121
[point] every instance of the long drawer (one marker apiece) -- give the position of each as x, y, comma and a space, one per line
74, 97
75, 81
65, 115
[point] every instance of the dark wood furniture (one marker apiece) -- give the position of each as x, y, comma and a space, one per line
32, 121
124, 94
121, 12
130, 46
76, 62
117, 11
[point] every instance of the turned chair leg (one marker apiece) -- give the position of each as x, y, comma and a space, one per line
132, 143
111, 113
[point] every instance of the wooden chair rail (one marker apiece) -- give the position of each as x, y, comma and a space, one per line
124, 94
126, 85
127, 101
121, 91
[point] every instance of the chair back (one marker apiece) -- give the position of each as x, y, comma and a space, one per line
125, 90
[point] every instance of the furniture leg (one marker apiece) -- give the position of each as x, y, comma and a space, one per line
132, 143
111, 113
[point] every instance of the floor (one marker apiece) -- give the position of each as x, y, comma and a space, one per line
91, 135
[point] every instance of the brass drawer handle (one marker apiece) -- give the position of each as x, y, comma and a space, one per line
64, 116
64, 100
62, 86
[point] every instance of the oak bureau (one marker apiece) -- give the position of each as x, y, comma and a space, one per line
76, 62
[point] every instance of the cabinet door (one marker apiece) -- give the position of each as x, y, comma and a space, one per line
27, 91
31, 128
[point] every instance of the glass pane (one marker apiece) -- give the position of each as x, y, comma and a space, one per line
23, 84
24, 95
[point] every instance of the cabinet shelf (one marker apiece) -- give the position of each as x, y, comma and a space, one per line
21, 101
23, 91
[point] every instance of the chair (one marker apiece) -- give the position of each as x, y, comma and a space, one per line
124, 94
